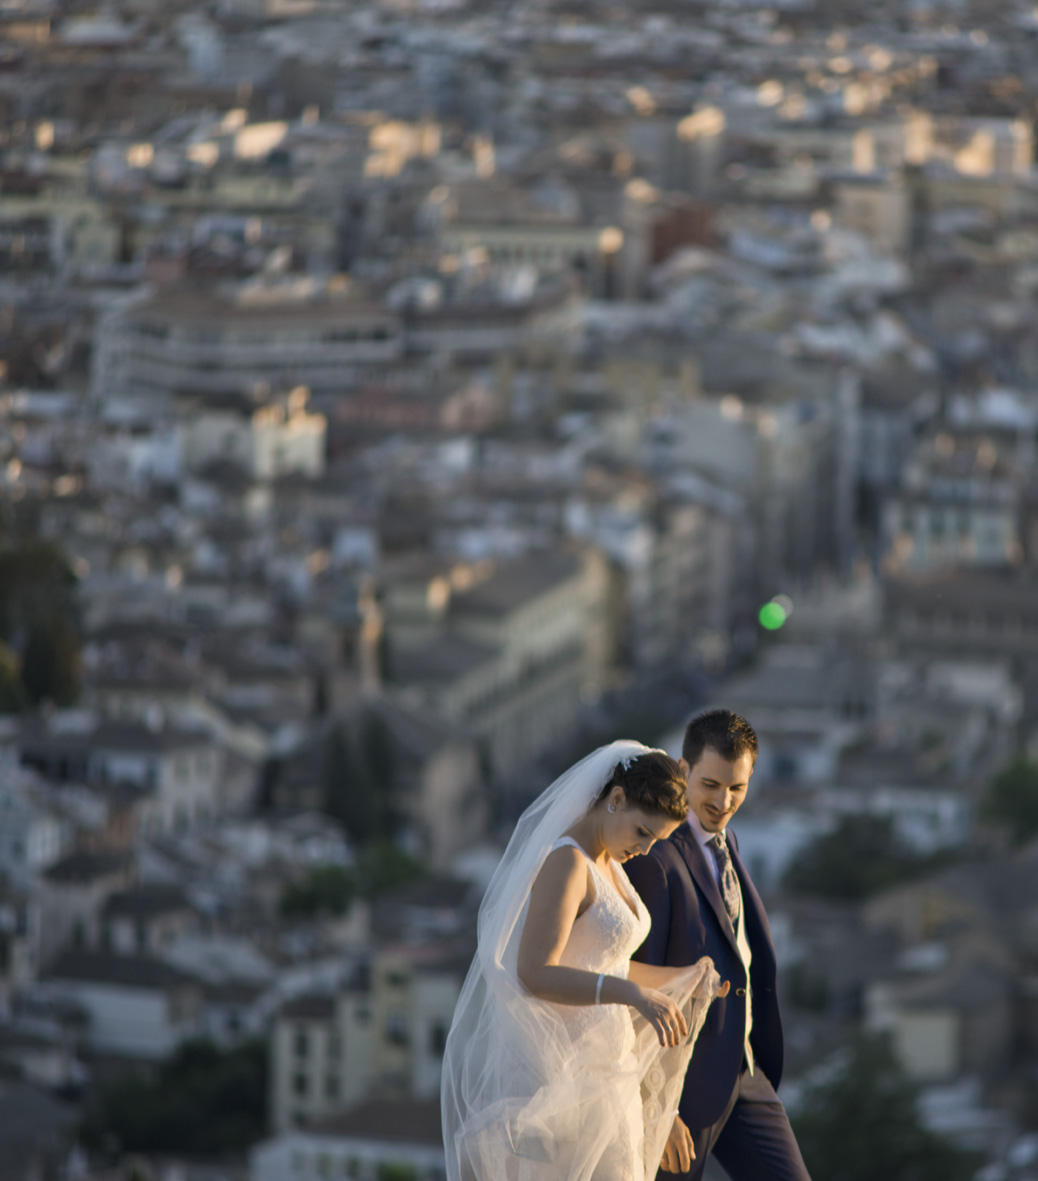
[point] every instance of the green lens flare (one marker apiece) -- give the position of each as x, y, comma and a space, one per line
772, 616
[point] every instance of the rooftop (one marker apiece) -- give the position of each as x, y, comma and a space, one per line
84, 867
411, 1121
515, 583
147, 900
311, 1007
125, 971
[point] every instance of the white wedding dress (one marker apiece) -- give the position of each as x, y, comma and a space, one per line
603, 939
536, 1091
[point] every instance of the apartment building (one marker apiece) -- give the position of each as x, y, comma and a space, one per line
381, 1034
181, 343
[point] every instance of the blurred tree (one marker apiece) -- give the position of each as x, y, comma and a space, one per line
862, 856
50, 666
38, 619
1012, 798
383, 866
380, 867
34, 577
864, 1123
201, 1101
12, 691
360, 780
350, 795
325, 889
378, 751
391, 1171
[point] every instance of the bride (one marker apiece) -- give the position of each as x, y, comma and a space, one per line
565, 1060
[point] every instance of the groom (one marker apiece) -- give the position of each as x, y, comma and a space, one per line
702, 902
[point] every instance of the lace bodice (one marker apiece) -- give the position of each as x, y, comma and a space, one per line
606, 935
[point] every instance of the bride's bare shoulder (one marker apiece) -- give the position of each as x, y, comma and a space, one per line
564, 859
564, 866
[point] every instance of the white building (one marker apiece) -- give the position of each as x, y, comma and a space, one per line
878, 206
274, 440
511, 652
320, 1057
180, 344
32, 836
72, 894
180, 772
363, 1143
137, 1007
984, 146
19, 943
330, 1051
962, 492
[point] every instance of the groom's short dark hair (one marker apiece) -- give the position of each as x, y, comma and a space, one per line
729, 734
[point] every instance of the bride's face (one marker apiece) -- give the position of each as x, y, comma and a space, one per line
629, 832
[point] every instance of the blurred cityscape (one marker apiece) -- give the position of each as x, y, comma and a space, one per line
398, 398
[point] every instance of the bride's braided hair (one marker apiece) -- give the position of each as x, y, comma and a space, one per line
651, 781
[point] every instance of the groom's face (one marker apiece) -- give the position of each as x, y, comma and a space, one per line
717, 787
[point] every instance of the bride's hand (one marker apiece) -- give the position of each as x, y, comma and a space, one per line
663, 1015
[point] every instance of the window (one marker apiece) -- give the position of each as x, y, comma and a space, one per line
438, 1038
302, 1043
396, 1028
300, 1084
331, 1087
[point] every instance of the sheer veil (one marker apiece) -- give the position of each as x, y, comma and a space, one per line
521, 1096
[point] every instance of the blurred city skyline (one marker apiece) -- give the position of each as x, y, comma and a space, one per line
400, 398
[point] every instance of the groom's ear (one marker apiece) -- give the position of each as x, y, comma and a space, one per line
685, 768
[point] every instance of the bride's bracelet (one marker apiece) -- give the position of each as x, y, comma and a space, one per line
598, 988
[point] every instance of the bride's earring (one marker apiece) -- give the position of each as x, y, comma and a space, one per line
611, 808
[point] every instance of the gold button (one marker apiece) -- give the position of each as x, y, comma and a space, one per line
740, 992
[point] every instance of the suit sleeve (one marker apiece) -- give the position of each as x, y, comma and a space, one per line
649, 878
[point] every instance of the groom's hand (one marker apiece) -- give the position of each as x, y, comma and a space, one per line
680, 1151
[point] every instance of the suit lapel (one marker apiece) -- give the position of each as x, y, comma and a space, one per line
695, 859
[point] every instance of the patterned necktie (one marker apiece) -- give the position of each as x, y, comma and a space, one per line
729, 882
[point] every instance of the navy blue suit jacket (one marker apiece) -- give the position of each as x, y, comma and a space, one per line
689, 921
